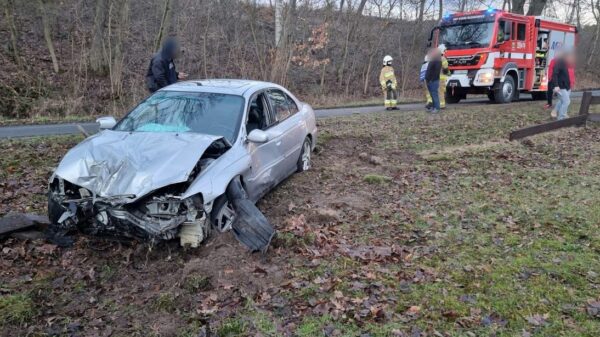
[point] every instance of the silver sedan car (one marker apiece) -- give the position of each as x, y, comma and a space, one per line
192, 157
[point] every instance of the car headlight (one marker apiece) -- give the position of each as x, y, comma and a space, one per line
485, 77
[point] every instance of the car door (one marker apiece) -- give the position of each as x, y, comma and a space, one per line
265, 158
291, 125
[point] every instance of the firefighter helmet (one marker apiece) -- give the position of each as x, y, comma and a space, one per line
387, 59
442, 48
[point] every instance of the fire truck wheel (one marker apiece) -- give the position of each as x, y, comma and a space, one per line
505, 91
453, 99
538, 96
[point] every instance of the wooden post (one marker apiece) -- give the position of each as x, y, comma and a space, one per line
586, 100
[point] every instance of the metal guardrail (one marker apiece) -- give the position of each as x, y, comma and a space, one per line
579, 120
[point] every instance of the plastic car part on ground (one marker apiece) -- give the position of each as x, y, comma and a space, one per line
250, 226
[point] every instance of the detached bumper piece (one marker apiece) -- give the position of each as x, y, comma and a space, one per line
250, 226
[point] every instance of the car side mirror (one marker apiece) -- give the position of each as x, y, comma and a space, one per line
108, 122
258, 136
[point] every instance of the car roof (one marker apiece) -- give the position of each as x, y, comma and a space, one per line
221, 86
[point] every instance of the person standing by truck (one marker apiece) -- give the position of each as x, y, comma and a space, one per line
550, 91
432, 78
387, 80
562, 84
428, 102
443, 76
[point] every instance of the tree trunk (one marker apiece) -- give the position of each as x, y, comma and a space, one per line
48, 35
518, 6
165, 22
441, 10
118, 26
421, 10
98, 60
278, 21
596, 12
283, 49
9, 14
536, 7
352, 24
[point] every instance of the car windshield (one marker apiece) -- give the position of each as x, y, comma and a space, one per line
199, 112
469, 35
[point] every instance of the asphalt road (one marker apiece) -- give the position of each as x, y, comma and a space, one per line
71, 128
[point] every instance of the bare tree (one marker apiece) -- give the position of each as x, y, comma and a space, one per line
97, 59
48, 34
352, 20
536, 7
10, 21
595, 7
518, 6
165, 24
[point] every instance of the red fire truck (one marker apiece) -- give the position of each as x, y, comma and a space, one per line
500, 54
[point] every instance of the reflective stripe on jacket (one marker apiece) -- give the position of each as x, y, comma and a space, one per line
387, 74
445, 70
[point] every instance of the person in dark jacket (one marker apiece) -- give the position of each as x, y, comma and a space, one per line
562, 84
432, 78
550, 91
161, 70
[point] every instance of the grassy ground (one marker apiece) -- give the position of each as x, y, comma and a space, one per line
407, 225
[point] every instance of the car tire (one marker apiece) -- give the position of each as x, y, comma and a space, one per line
505, 92
222, 214
304, 161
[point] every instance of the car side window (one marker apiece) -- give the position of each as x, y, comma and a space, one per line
292, 106
258, 114
279, 103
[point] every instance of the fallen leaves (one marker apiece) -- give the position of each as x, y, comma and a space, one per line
593, 308
537, 319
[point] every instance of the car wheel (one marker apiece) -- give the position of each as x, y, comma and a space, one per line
222, 215
304, 161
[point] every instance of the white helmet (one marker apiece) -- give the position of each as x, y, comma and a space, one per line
387, 59
442, 48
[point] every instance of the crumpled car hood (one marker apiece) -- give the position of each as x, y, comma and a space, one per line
114, 163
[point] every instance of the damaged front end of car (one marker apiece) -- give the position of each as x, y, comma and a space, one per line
162, 215
111, 185
155, 187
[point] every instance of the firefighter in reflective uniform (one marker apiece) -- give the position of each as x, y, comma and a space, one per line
422, 79
443, 80
388, 82
443, 76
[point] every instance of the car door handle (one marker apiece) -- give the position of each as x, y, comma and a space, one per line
278, 143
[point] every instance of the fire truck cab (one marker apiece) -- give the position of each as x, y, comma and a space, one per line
499, 54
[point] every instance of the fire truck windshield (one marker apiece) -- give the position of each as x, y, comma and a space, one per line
467, 35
